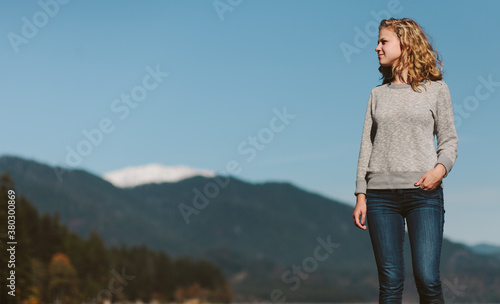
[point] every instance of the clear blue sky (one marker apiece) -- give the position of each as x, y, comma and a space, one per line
65, 69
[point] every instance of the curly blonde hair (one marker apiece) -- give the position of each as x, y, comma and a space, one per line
418, 57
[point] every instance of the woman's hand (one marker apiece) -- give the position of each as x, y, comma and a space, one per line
432, 178
359, 214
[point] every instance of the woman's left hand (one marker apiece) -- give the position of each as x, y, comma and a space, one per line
432, 178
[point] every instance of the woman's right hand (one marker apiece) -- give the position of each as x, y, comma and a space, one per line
359, 214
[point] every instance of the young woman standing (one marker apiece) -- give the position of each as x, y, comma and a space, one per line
400, 171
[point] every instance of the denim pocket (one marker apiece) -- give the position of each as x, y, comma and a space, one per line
433, 197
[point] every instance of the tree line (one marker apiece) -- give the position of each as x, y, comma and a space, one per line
55, 265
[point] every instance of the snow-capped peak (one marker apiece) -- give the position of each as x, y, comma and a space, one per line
152, 173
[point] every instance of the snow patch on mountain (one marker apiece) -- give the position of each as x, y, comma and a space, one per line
152, 173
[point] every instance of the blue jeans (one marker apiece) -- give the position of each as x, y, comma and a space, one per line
424, 214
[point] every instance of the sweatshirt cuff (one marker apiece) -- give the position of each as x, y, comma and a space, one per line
446, 162
360, 186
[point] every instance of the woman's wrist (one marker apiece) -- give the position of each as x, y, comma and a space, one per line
361, 197
441, 168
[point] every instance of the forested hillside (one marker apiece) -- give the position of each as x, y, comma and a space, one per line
50, 264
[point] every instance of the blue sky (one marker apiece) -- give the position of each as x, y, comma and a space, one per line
205, 79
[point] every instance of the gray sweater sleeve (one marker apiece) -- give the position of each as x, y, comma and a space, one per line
444, 128
365, 149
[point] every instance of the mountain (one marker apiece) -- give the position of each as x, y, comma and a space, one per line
486, 249
274, 241
152, 173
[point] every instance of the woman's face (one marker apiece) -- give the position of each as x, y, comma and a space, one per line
388, 48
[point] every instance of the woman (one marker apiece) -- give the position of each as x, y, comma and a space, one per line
400, 172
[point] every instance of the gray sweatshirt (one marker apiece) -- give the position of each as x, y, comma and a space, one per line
397, 145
